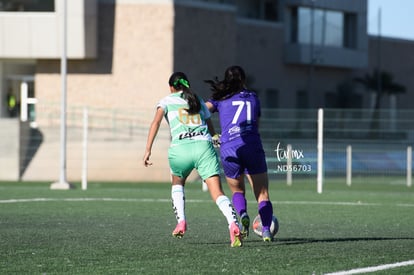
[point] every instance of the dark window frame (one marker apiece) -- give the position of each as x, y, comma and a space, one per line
27, 6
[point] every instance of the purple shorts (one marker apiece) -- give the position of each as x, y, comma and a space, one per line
243, 159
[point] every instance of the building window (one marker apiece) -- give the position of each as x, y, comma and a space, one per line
271, 11
266, 10
350, 31
317, 27
219, 1
27, 5
294, 26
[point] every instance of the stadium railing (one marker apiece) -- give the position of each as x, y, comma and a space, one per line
379, 139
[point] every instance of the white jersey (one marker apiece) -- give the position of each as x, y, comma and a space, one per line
184, 128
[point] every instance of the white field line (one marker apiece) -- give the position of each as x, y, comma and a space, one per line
372, 268
84, 199
194, 201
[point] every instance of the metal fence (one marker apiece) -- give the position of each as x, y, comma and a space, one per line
379, 141
367, 143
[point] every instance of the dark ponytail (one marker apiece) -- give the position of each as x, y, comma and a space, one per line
234, 82
180, 82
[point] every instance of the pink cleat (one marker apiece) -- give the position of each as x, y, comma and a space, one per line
180, 229
235, 236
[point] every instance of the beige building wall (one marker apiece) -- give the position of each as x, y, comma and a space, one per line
135, 60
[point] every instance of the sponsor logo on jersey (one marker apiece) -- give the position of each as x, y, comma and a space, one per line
191, 134
234, 130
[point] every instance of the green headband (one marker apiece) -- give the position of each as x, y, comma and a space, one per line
183, 82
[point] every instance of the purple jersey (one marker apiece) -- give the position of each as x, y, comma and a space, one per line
241, 149
239, 117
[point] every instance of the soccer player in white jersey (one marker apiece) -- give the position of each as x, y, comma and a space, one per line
190, 148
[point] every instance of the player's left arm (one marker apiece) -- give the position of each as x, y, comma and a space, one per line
215, 137
210, 106
210, 127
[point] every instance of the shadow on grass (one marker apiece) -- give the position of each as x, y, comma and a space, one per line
296, 241
292, 241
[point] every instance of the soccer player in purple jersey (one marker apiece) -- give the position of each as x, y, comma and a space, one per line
241, 147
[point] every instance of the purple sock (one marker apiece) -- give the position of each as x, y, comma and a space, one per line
239, 203
266, 214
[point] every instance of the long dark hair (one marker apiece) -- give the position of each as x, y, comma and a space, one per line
180, 82
234, 81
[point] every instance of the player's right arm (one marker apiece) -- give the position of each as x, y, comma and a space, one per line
155, 126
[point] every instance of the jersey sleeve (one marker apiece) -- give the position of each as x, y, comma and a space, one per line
163, 105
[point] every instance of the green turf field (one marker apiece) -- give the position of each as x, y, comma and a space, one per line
125, 228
